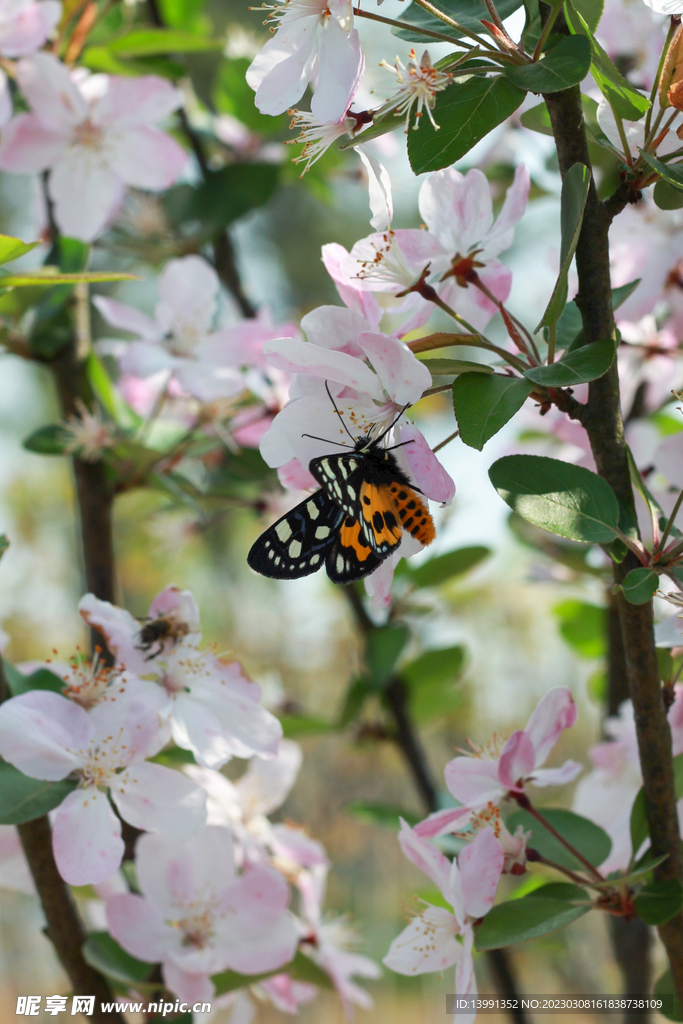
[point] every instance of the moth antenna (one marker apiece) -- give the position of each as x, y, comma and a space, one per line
341, 418
401, 445
393, 424
342, 444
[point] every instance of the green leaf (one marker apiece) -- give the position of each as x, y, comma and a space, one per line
101, 58
442, 568
639, 826
49, 440
557, 891
648, 864
573, 202
590, 11
385, 815
452, 367
232, 95
12, 248
667, 196
301, 968
658, 902
673, 173
565, 65
467, 13
354, 701
587, 838
23, 799
431, 679
46, 278
103, 953
225, 196
620, 294
537, 119
639, 586
484, 404
583, 626
521, 920
305, 725
384, 647
567, 500
4, 544
109, 396
146, 42
41, 679
465, 112
578, 367
666, 991
569, 326
625, 101
435, 667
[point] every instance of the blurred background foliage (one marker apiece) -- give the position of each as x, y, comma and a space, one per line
475, 637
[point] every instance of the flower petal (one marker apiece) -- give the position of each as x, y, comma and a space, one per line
144, 157
283, 68
379, 189
357, 299
516, 761
555, 712
126, 318
41, 734
51, 92
28, 146
159, 799
556, 776
340, 69
296, 356
426, 857
403, 376
138, 927
85, 193
473, 781
453, 819
425, 468
427, 944
27, 32
186, 985
481, 865
119, 629
86, 838
145, 99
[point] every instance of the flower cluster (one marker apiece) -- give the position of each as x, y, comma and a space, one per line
214, 875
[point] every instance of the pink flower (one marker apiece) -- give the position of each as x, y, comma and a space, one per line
197, 916
457, 209
466, 823
606, 794
329, 943
180, 339
49, 737
486, 777
213, 707
436, 938
24, 25
95, 138
315, 42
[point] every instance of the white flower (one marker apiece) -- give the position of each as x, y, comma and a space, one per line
85, 434
419, 84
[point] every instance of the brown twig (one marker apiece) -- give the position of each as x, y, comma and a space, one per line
603, 423
408, 741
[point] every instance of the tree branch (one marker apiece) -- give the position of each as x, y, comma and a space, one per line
603, 423
64, 929
408, 742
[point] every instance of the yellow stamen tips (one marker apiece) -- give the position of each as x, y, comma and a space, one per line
419, 83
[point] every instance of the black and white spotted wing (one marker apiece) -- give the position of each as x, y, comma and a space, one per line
296, 545
350, 557
339, 476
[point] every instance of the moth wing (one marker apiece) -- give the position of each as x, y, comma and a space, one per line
380, 523
297, 543
338, 477
350, 557
413, 513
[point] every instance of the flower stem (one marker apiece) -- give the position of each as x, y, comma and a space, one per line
425, 5
413, 28
442, 444
669, 526
524, 802
547, 28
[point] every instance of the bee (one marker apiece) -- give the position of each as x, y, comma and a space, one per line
158, 632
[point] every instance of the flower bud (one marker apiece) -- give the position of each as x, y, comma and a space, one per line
672, 72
